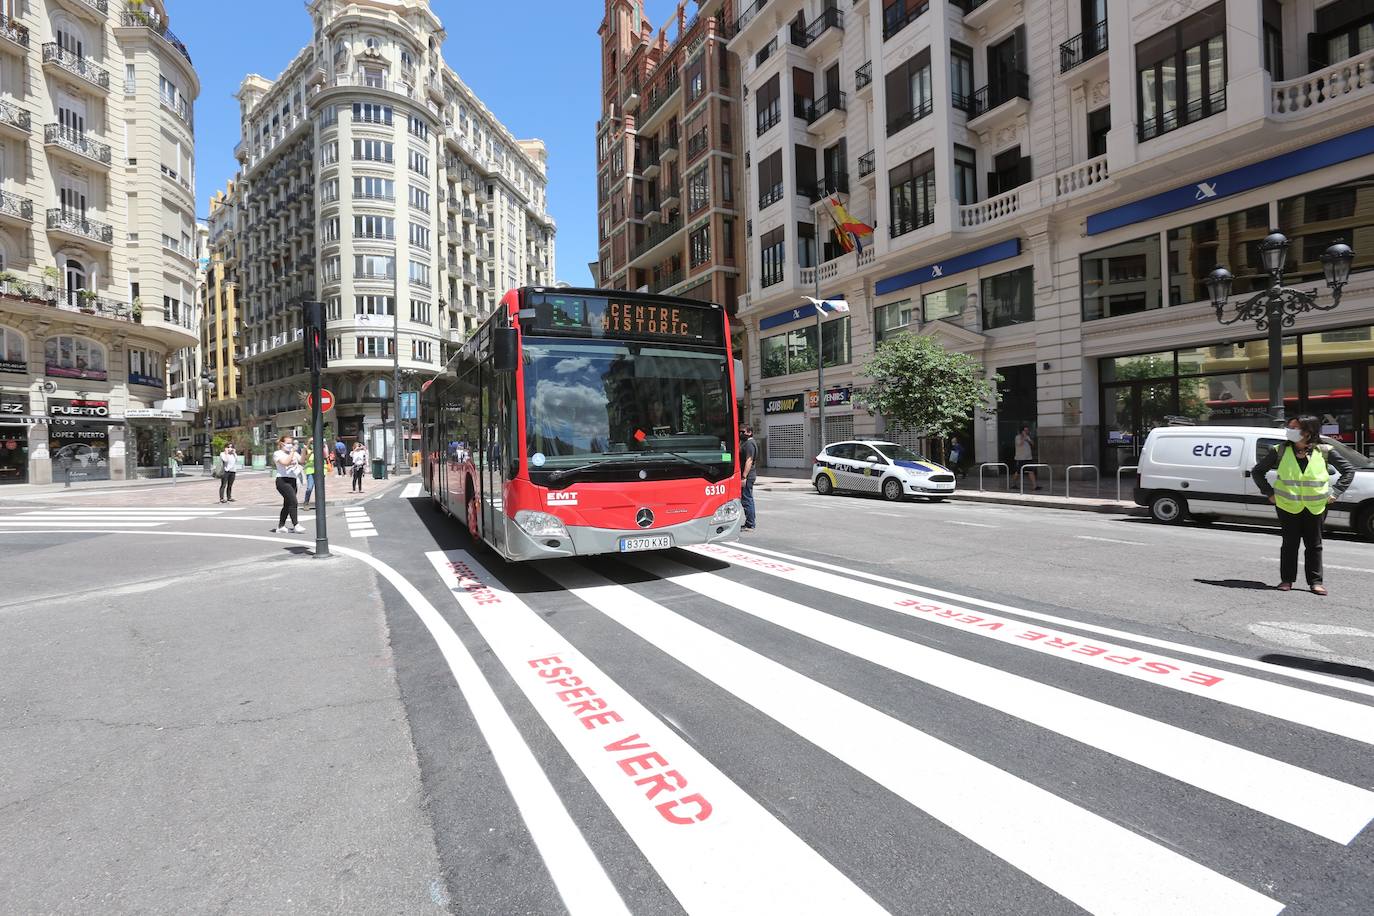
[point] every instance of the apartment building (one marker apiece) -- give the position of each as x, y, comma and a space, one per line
1051, 183
669, 169
97, 217
372, 179
221, 327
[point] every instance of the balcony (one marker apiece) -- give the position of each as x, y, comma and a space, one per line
75, 224
818, 113
697, 144
837, 183
630, 100
1323, 90
978, 13
1008, 98
15, 120
651, 167
867, 164
89, 8
863, 77
666, 281
902, 14
15, 209
1174, 118
59, 58
669, 151
768, 118
57, 136
992, 210
907, 118
656, 236
1081, 178
133, 19
658, 97
770, 197
910, 222
810, 36
13, 34
1082, 47
748, 15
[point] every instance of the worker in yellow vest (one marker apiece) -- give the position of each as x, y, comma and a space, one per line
1300, 494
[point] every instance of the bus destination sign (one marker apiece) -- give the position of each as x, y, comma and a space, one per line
597, 316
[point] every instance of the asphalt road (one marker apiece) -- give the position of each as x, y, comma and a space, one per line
863, 707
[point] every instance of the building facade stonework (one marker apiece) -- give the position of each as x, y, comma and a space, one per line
97, 229
1050, 184
372, 179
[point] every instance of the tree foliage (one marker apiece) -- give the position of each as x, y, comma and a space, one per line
919, 386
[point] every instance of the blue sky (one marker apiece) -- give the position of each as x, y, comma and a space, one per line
544, 86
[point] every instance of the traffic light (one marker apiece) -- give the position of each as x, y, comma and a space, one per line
315, 337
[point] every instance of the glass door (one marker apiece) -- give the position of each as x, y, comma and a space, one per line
1129, 411
1331, 399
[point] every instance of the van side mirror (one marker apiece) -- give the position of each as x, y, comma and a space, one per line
506, 349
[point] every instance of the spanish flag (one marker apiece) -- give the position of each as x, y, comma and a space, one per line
849, 228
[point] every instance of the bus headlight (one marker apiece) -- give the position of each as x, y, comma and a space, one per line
727, 513
540, 524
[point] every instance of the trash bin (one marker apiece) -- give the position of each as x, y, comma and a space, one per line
379, 469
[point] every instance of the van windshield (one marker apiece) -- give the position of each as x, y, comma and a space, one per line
1354, 457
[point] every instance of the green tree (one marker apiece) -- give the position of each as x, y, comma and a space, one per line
921, 387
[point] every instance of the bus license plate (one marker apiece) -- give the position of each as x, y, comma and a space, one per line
658, 542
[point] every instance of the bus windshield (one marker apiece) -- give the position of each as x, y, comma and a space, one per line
627, 405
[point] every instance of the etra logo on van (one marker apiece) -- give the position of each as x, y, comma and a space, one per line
1212, 450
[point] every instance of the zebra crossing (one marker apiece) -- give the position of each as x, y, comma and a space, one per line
359, 524
89, 518
1211, 753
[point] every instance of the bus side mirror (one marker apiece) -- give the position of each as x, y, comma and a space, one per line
739, 378
506, 350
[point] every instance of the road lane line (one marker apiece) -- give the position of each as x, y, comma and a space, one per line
1236, 660
1357, 569
1074, 852
1325, 806
1281, 701
1089, 537
972, 524
726, 853
37, 523
411, 491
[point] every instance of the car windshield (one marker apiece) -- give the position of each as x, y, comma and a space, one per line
1354, 457
898, 452
625, 404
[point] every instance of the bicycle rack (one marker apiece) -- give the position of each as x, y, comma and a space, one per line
993, 464
1119, 472
1021, 475
1068, 476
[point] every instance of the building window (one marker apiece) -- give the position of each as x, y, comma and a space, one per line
146, 367
696, 78
1343, 30
374, 188
368, 113
419, 311
727, 239
331, 269
768, 104
376, 346
961, 76
421, 351
699, 189
1273, 37
908, 92
911, 194
795, 351
419, 163
699, 245
1318, 219
334, 308
770, 180
1181, 73
898, 14
1122, 279
417, 127
1232, 240
74, 357
419, 199
329, 230
373, 305
329, 116
374, 266
329, 190
419, 236
944, 303
12, 355
890, 319
374, 227
373, 151
1099, 123
419, 274
773, 256
329, 152
965, 175
1009, 170
1008, 299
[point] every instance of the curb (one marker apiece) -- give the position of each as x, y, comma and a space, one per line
1041, 502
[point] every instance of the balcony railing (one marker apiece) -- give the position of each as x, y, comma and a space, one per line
697, 143
1086, 45
901, 14
812, 111
660, 95
910, 222
15, 116
770, 197
157, 28
666, 281
768, 118
656, 236
867, 163
13, 205
54, 53
14, 31
1325, 87
830, 18
837, 183
749, 13
77, 224
1015, 86
863, 76
76, 142
907, 118
1170, 120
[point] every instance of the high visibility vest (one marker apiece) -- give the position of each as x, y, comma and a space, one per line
1296, 489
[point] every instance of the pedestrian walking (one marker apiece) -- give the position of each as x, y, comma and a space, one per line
286, 461
1025, 455
176, 461
956, 455
228, 470
308, 469
748, 468
359, 459
1300, 494
340, 457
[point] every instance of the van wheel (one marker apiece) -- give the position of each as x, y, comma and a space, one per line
892, 489
823, 484
1364, 524
1168, 508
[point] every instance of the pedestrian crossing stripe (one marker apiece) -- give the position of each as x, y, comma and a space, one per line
79, 518
1327, 713
715, 847
411, 491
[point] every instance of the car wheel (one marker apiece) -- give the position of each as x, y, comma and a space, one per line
1168, 508
823, 484
892, 489
1364, 524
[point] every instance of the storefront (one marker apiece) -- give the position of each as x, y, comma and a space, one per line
14, 438
1329, 374
79, 438
784, 431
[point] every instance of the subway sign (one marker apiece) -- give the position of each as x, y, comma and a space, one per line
787, 403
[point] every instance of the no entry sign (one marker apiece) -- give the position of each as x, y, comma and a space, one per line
326, 400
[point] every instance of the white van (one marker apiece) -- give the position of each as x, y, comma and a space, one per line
1204, 471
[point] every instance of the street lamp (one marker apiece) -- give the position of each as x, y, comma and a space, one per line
1279, 306
207, 386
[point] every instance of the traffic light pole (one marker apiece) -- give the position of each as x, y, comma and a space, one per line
316, 358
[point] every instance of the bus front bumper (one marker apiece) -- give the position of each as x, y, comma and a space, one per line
583, 540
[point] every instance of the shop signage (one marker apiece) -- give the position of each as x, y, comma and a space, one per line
13, 405
957, 264
786, 403
68, 407
1299, 162
155, 413
834, 397
14, 365
796, 314
138, 378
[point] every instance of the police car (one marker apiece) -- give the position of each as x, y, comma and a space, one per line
875, 466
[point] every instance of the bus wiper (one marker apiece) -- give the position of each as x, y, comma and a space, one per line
712, 470
556, 476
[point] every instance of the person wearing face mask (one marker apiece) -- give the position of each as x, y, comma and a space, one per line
1301, 491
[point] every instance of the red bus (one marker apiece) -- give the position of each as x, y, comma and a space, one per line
582, 421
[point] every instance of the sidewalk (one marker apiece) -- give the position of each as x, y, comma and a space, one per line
254, 486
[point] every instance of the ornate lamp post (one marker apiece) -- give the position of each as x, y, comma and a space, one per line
207, 387
1279, 306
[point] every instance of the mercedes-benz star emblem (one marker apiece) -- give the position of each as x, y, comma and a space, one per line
644, 518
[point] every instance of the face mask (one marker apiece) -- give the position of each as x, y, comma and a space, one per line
1294, 435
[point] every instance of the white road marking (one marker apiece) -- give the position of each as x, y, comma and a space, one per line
65, 510
1325, 806
972, 524
1074, 852
75, 525
738, 858
363, 533
411, 491
1088, 537
1357, 569
1235, 660
581, 881
1281, 701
